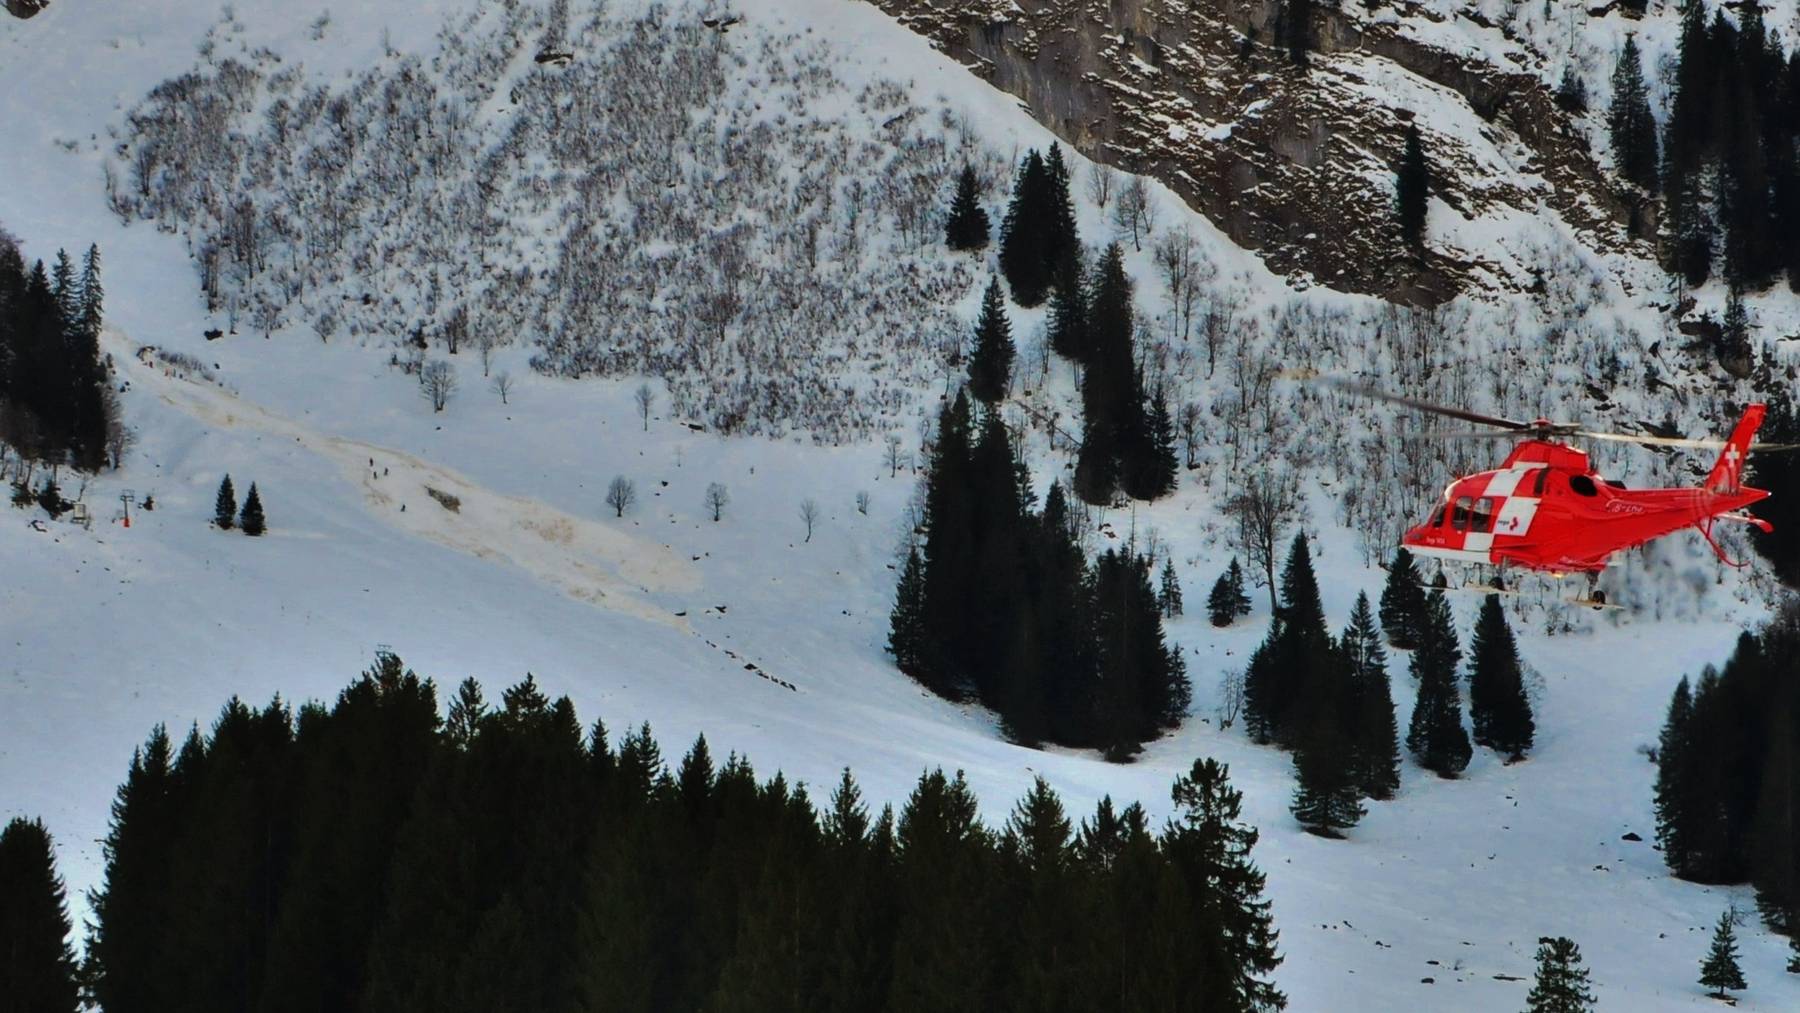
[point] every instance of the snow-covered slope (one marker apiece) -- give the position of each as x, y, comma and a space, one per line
659, 615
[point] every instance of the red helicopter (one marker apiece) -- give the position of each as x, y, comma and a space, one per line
1546, 508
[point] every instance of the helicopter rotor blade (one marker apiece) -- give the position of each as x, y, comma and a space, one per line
1510, 428
1462, 434
1652, 441
1677, 441
1349, 386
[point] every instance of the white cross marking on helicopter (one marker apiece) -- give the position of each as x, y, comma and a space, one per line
1515, 513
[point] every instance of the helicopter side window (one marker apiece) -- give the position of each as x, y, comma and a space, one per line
1484, 514
1582, 485
1459, 517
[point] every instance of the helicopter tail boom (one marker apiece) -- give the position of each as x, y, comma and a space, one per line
1727, 474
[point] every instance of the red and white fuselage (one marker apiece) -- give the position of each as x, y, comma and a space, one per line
1546, 509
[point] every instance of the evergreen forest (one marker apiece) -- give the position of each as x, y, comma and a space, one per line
55, 407
376, 854
1728, 773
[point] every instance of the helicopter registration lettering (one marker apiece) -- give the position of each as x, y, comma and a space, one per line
1619, 506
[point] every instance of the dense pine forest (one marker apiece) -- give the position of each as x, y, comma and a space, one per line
1000, 604
55, 407
373, 855
1728, 773
1729, 179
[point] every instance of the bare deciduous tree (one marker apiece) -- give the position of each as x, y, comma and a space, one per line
893, 454
485, 343
1268, 502
716, 498
1102, 180
325, 326
116, 200
502, 385
1134, 214
1217, 321
862, 502
119, 436
1183, 271
437, 381
1231, 697
1190, 431
621, 493
809, 516
645, 399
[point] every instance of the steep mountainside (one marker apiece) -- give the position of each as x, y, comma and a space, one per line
1295, 161
826, 118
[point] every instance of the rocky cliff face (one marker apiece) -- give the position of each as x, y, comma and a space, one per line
1297, 163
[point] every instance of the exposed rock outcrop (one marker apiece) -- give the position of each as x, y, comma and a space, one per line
25, 8
1296, 163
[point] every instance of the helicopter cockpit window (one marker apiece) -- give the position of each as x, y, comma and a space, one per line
1437, 518
1459, 517
1484, 514
1582, 485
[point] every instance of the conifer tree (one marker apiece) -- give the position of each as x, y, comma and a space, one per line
1412, 190
1435, 734
1141, 681
1302, 610
128, 946
1403, 601
1672, 790
1297, 651
1067, 324
1063, 242
66, 291
37, 966
1629, 121
1327, 791
1240, 596
949, 552
1168, 595
906, 627
1719, 971
1562, 984
1221, 606
1111, 397
1691, 227
1734, 351
990, 363
251, 520
1498, 707
1024, 232
93, 295
941, 958
1377, 735
225, 506
1208, 844
1571, 91
1160, 466
967, 227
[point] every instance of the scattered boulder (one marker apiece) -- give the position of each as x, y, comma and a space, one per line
555, 57
26, 8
